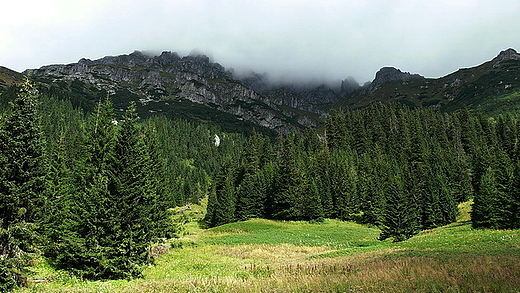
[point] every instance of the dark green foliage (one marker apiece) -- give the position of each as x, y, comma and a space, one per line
344, 184
22, 154
107, 187
82, 242
400, 215
116, 212
222, 200
254, 179
22, 185
190, 156
400, 169
485, 201
138, 212
495, 205
292, 182
515, 196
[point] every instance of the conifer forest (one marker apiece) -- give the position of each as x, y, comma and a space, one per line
93, 190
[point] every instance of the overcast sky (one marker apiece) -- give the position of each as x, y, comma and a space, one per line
330, 39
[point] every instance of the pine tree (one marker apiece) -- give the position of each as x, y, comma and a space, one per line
222, 200
291, 183
138, 214
312, 205
22, 185
116, 213
22, 149
344, 185
60, 187
371, 186
82, 245
482, 213
514, 222
252, 185
495, 203
401, 216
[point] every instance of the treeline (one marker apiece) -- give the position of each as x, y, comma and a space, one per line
92, 191
400, 169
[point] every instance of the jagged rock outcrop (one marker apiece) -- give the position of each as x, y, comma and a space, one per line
509, 54
390, 74
349, 85
168, 76
298, 95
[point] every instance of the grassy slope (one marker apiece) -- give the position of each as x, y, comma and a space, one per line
267, 256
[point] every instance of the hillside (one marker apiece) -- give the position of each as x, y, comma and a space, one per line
490, 88
9, 77
110, 188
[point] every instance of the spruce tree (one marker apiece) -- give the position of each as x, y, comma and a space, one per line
514, 222
82, 246
371, 186
252, 185
222, 199
344, 185
400, 217
22, 184
483, 210
291, 182
116, 212
138, 213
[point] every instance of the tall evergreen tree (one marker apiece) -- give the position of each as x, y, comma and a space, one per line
514, 222
139, 214
291, 183
22, 184
482, 213
117, 212
222, 199
400, 217
344, 185
253, 185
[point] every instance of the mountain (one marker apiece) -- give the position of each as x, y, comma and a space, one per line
196, 88
491, 87
9, 77
191, 86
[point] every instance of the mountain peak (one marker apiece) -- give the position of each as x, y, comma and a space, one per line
509, 54
388, 74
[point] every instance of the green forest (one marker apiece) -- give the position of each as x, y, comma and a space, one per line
92, 191
393, 167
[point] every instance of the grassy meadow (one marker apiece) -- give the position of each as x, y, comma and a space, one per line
270, 256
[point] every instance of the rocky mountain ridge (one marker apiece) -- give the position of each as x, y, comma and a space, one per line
167, 78
195, 84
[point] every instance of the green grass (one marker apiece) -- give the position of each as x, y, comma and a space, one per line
332, 233
272, 256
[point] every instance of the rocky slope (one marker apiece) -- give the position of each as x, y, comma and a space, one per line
194, 87
166, 80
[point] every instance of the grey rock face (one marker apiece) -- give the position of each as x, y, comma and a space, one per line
509, 54
389, 74
167, 76
349, 85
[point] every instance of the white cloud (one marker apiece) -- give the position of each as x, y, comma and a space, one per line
332, 38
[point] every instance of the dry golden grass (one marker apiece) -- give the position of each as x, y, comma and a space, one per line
272, 254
